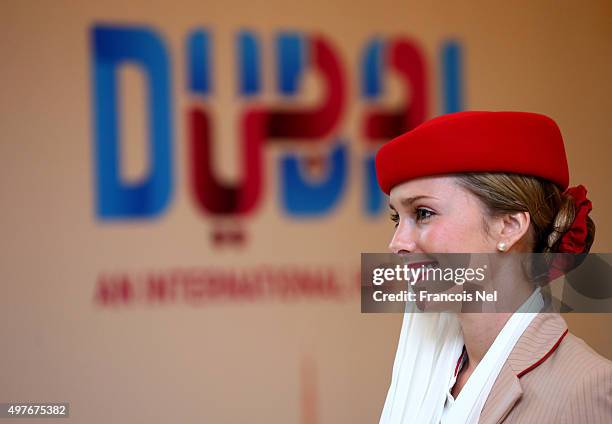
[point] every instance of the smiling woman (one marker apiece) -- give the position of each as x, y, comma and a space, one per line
497, 184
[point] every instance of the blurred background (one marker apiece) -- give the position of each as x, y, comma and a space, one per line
187, 187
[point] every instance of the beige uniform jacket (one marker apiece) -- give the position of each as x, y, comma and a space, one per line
551, 376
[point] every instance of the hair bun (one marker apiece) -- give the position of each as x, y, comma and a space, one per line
573, 228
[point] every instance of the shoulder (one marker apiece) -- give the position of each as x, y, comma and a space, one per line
570, 358
575, 381
562, 378
590, 397
574, 350
548, 347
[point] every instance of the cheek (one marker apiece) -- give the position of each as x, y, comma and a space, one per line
454, 234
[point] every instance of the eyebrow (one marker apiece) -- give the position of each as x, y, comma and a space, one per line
410, 200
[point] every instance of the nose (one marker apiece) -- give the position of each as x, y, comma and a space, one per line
403, 240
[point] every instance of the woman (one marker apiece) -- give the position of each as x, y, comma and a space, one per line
492, 182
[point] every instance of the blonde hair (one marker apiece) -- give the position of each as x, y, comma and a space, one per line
552, 212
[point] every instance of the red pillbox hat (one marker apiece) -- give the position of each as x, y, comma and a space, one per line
512, 142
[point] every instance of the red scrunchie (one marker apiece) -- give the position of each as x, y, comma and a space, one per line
574, 240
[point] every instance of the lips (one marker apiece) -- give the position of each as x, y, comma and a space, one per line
431, 286
416, 259
426, 264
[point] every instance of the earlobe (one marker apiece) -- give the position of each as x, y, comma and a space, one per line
514, 227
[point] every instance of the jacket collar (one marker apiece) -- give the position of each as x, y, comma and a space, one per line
537, 343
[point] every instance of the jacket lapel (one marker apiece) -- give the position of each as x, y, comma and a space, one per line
506, 391
537, 343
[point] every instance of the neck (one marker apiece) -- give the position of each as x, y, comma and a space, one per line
481, 329
479, 333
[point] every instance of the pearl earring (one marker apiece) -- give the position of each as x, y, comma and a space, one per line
501, 246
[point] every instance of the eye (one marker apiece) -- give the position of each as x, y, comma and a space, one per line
395, 218
423, 214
